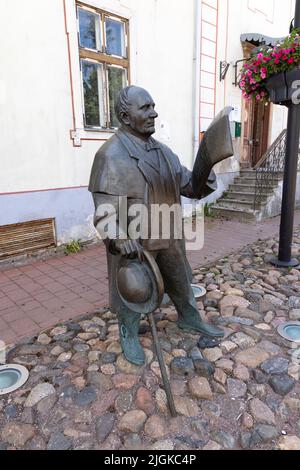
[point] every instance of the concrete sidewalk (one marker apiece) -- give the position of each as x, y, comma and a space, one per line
43, 293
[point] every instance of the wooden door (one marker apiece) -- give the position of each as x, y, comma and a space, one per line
256, 132
260, 137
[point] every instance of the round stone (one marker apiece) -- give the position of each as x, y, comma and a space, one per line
282, 384
182, 366
236, 388
275, 366
64, 357
261, 412
133, 421
144, 401
39, 392
200, 388
85, 397
108, 369
156, 427
123, 402
204, 368
213, 355
186, 407
241, 372
59, 330
205, 343
289, 443
44, 339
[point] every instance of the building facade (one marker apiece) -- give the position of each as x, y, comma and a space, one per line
62, 63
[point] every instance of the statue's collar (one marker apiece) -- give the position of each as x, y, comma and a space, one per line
148, 145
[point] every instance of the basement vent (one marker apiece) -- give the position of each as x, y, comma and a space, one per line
26, 237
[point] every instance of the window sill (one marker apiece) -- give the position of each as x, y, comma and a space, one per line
78, 135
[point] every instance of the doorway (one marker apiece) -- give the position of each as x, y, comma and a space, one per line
256, 132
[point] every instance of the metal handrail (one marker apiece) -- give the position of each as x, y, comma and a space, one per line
268, 169
270, 149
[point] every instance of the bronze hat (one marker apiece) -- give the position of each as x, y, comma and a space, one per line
140, 285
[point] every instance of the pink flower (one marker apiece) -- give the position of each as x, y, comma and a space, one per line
263, 73
276, 61
260, 56
242, 83
250, 73
291, 60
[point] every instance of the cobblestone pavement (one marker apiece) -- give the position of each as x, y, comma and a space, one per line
242, 393
44, 292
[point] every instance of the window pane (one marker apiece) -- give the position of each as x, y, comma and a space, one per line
115, 37
116, 81
92, 75
89, 29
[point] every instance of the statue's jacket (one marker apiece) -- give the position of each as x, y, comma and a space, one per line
147, 173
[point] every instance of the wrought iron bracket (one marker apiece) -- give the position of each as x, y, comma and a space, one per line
236, 74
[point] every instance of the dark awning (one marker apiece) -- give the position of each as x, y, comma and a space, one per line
260, 40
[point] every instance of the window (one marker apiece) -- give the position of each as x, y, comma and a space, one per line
104, 64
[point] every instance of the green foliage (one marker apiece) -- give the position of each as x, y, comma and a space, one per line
73, 247
207, 212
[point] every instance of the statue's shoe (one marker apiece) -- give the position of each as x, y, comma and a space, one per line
131, 346
201, 327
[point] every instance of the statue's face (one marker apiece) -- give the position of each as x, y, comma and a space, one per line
141, 114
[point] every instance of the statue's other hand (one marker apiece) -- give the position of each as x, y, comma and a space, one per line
129, 248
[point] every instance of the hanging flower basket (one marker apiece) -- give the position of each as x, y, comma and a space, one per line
270, 74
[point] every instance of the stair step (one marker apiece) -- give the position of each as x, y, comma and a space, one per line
247, 188
242, 196
245, 173
249, 181
232, 213
236, 204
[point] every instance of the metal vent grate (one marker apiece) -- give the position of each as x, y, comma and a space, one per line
17, 239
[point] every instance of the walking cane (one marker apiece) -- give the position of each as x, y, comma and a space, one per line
162, 366
160, 358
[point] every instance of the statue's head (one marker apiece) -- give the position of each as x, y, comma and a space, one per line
135, 111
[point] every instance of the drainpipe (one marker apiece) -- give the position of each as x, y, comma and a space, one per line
197, 76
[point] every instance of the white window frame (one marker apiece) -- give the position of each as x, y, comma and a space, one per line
112, 7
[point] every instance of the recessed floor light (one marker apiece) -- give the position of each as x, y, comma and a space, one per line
290, 331
198, 291
12, 377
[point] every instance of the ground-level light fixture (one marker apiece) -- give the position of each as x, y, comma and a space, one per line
198, 291
290, 331
12, 377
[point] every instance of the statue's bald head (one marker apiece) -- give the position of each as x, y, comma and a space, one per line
135, 111
124, 100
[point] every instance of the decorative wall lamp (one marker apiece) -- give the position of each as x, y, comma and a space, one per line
224, 66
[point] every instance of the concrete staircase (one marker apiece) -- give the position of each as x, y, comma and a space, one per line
238, 201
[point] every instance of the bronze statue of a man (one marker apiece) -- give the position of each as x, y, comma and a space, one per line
133, 165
